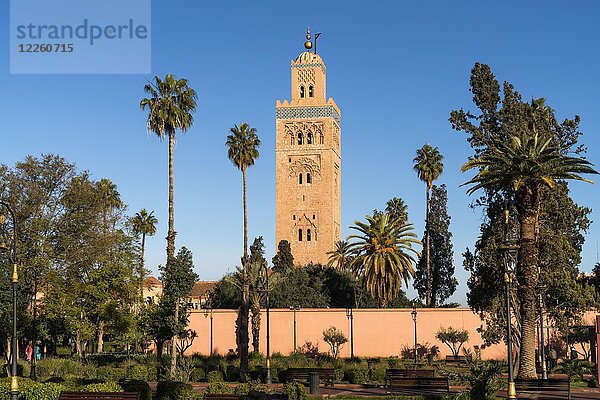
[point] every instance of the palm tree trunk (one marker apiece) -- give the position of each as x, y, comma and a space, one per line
427, 251
171, 232
527, 278
244, 339
174, 342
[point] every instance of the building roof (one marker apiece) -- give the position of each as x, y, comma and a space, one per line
151, 282
200, 288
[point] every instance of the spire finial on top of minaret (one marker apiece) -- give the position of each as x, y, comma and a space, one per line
308, 43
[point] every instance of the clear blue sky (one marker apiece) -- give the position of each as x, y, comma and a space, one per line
396, 69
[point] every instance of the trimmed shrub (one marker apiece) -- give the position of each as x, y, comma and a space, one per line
358, 375
103, 387
111, 374
378, 373
63, 368
218, 388
138, 386
172, 390
295, 391
31, 390
214, 376
242, 388
198, 375
139, 373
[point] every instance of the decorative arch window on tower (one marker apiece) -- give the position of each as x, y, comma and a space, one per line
302, 94
309, 138
311, 91
300, 138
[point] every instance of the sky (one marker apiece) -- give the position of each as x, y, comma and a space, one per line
396, 70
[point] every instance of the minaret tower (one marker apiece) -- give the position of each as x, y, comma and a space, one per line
308, 163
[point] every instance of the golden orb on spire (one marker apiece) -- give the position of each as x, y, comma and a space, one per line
308, 43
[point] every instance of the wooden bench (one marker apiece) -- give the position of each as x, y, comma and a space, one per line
296, 374
392, 373
99, 396
526, 385
420, 383
456, 360
212, 396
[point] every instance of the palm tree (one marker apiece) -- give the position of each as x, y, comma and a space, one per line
243, 144
110, 199
429, 167
520, 166
170, 107
143, 223
341, 257
383, 258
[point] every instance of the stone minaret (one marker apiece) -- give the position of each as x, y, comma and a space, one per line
308, 163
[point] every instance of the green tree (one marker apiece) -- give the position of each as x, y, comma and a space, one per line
242, 149
383, 255
170, 107
443, 282
34, 188
284, 258
429, 167
178, 278
520, 149
299, 286
453, 338
335, 339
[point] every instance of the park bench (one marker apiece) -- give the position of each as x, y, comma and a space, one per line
458, 361
99, 396
296, 374
211, 396
525, 385
420, 383
392, 373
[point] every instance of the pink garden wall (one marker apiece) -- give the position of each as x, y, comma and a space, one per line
376, 332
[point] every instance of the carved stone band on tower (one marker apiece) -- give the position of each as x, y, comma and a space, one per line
308, 163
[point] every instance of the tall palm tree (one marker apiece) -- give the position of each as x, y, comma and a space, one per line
144, 223
341, 257
428, 166
520, 166
242, 149
170, 108
383, 255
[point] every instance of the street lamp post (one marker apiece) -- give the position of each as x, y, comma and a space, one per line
413, 314
541, 288
350, 316
509, 256
294, 309
14, 383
